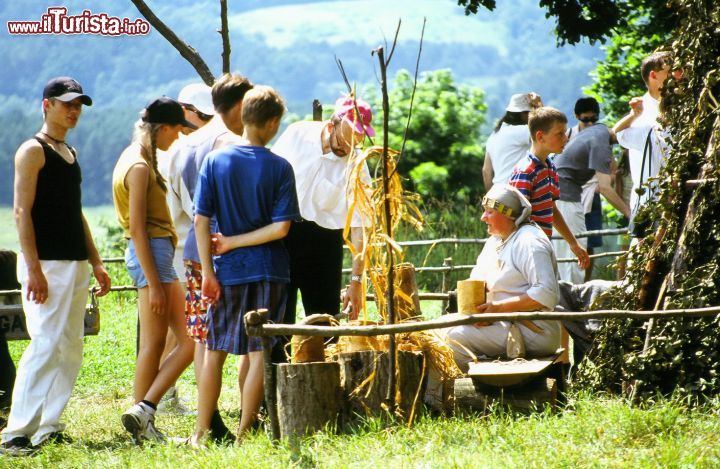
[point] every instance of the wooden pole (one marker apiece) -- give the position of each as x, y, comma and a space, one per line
450, 321
317, 110
390, 397
270, 389
254, 321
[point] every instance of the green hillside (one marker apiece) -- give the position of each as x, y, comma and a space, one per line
290, 45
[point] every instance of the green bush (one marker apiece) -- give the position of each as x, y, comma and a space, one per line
445, 130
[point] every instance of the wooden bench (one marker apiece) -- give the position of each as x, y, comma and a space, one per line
522, 385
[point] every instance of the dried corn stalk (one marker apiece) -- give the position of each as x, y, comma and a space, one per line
367, 200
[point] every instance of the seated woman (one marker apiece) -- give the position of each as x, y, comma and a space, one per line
518, 265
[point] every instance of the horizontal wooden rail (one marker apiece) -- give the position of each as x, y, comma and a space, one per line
455, 320
451, 268
480, 241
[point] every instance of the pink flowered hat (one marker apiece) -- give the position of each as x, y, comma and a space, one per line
345, 108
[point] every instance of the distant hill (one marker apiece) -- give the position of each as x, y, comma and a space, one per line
290, 45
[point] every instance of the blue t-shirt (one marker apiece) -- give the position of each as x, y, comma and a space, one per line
246, 188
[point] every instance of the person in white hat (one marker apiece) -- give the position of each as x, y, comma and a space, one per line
196, 101
520, 270
510, 140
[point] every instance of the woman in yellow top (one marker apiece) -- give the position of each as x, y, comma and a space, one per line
140, 202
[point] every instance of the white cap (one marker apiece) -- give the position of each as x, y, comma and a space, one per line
519, 103
198, 95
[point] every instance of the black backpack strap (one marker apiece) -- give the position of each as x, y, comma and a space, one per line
647, 156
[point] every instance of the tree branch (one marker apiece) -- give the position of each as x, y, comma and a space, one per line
185, 50
225, 33
412, 99
394, 43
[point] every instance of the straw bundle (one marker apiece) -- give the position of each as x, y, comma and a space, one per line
368, 203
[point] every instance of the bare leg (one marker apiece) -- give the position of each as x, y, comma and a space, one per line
199, 360
209, 388
182, 354
252, 392
153, 328
170, 344
243, 367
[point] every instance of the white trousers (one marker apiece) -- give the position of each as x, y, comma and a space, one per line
491, 341
574, 215
49, 367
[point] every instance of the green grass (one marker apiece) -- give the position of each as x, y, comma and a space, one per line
593, 431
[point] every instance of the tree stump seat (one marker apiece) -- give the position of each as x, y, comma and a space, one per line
521, 385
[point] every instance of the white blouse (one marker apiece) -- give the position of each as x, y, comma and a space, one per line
523, 263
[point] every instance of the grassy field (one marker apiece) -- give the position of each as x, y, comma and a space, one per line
592, 431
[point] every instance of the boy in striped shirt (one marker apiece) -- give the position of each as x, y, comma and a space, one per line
536, 176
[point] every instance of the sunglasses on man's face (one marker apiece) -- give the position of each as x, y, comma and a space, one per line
589, 119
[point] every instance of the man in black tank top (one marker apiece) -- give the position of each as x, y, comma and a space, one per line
56, 247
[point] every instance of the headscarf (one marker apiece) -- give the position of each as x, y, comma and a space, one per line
509, 201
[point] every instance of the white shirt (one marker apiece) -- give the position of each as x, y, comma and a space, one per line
647, 119
633, 138
524, 263
180, 219
321, 179
506, 147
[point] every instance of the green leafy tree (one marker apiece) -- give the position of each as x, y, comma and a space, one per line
648, 28
593, 20
445, 130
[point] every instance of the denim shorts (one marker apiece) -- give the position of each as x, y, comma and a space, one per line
162, 252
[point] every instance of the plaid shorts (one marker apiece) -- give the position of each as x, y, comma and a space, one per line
226, 328
195, 307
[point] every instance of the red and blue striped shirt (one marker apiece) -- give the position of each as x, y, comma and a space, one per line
538, 182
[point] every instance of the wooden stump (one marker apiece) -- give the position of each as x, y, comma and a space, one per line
309, 397
365, 381
470, 395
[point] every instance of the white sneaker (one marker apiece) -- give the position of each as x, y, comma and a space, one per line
141, 425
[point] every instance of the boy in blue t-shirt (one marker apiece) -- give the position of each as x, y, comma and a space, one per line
251, 192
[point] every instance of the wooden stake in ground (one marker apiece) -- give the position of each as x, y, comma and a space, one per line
390, 304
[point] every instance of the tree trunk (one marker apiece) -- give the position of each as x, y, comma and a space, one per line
365, 378
472, 396
309, 397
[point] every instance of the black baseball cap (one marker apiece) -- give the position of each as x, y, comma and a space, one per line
65, 89
166, 110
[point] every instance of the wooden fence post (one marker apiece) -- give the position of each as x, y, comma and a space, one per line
447, 262
317, 110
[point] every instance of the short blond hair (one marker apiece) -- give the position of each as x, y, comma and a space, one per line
261, 104
543, 118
